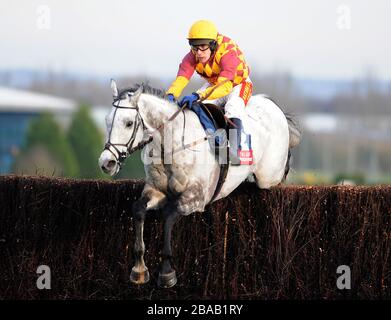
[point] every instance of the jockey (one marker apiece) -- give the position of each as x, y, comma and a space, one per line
220, 62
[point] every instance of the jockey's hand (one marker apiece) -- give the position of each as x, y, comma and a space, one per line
170, 97
189, 100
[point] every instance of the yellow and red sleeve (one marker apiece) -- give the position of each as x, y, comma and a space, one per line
185, 72
177, 86
220, 89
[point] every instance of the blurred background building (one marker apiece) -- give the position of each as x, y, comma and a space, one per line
351, 144
17, 109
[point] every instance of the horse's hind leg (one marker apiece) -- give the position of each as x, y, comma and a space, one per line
272, 170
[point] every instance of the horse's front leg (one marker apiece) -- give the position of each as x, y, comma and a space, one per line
187, 203
167, 275
150, 199
139, 274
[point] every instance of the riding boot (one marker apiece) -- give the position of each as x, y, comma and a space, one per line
237, 155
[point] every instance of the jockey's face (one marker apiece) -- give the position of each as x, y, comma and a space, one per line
202, 52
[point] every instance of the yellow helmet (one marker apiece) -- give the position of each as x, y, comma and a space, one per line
203, 29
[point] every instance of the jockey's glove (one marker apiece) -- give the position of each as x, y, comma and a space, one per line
170, 97
189, 100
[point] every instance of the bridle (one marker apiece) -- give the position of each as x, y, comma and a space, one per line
121, 156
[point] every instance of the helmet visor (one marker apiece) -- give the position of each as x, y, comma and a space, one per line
198, 42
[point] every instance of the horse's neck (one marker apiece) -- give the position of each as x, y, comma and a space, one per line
155, 111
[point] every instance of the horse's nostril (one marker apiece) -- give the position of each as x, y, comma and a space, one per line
111, 164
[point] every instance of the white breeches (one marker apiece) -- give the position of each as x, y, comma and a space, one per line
233, 102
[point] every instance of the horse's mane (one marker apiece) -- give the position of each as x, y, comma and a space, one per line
146, 88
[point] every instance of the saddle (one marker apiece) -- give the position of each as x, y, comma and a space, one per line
216, 115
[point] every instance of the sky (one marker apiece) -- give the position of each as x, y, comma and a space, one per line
309, 38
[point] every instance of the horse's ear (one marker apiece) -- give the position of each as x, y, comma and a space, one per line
114, 88
135, 96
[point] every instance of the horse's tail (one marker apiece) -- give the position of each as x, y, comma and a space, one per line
294, 131
294, 128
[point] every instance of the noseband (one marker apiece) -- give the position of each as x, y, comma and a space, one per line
121, 156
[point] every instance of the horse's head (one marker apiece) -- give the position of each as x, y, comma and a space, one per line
124, 129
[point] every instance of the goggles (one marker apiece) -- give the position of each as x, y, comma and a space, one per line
196, 48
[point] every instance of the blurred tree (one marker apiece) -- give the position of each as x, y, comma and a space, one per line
355, 177
45, 132
86, 141
37, 160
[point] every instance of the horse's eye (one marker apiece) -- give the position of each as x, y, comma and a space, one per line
129, 124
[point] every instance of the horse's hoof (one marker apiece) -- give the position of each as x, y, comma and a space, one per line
167, 280
137, 277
